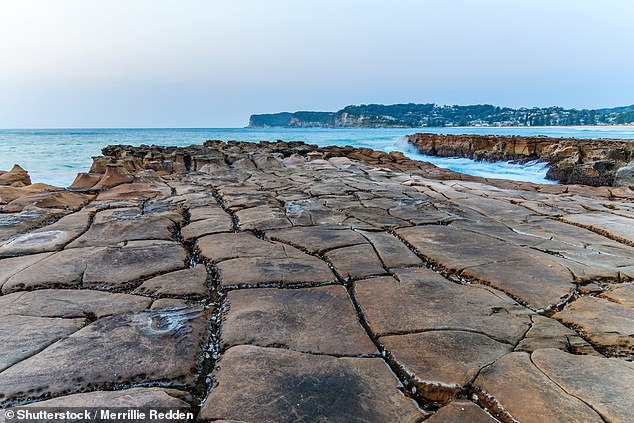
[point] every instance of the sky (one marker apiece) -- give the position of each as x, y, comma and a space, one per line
191, 63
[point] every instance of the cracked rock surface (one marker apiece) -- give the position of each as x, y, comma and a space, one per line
285, 282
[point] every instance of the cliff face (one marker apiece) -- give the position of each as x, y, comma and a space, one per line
573, 161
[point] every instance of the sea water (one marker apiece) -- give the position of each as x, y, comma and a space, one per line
54, 156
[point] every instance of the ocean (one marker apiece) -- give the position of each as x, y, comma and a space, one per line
54, 156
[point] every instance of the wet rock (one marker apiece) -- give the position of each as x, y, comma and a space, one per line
604, 384
182, 283
269, 384
440, 363
461, 411
50, 238
607, 325
14, 224
128, 348
315, 320
573, 161
529, 395
355, 262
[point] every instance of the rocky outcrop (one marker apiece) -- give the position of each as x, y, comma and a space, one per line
285, 282
572, 161
16, 177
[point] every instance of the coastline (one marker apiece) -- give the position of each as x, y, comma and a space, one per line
256, 267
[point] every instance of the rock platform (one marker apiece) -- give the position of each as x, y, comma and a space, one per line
597, 162
284, 282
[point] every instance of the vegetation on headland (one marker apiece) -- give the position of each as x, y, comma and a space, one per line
432, 115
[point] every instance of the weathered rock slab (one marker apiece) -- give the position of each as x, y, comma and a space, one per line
529, 395
421, 300
607, 325
126, 348
607, 385
314, 320
440, 363
269, 384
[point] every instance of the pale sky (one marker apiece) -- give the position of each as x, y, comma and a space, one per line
192, 63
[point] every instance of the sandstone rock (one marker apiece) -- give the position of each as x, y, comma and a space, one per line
528, 395
85, 181
262, 218
138, 191
9, 193
104, 267
133, 398
624, 177
220, 223
605, 324
50, 238
16, 177
615, 227
279, 271
356, 261
440, 363
12, 266
133, 345
49, 200
111, 227
604, 384
622, 294
270, 384
220, 247
315, 239
393, 253
115, 174
14, 224
70, 304
23, 336
461, 411
315, 320
423, 300
182, 283
534, 278
549, 333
